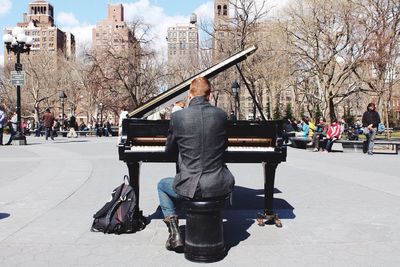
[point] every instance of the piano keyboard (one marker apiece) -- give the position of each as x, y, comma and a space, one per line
229, 149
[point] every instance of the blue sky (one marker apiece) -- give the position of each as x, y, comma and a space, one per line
93, 10
79, 16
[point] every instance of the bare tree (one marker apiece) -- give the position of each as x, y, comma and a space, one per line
327, 48
121, 76
381, 19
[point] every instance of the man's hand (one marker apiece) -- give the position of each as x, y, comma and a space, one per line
370, 126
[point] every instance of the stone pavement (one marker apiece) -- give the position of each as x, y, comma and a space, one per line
337, 209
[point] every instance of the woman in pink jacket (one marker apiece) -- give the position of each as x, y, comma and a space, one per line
334, 132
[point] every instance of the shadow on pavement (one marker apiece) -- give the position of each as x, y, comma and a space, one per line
239, 216
253, 199
4, 215
249, 201
72, 141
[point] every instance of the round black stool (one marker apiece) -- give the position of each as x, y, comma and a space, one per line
204, 235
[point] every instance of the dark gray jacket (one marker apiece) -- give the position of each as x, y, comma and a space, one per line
371, 117
199, 134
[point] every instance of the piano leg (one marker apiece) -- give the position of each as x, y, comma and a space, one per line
134, 175
269, 217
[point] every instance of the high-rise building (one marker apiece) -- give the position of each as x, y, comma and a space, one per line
183, 43
222, 31
113, 32
39, 24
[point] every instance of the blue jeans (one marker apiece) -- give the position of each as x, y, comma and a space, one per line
370, 139
168, 197
49, 132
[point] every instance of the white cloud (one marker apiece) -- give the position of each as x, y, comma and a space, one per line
83, 35
5, 6
205, 11
2, 60
67, 19
82, 31
156, 18
150, 14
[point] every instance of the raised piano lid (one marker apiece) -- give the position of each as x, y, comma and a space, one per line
171, 95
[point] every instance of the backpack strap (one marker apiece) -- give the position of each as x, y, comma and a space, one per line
116, 194
127, 180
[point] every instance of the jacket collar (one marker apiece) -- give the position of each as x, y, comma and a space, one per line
198, 100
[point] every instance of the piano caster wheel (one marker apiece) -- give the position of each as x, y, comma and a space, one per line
270, 219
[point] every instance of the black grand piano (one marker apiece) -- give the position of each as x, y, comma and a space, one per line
248, 141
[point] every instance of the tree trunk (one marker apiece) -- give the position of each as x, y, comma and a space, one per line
332, 113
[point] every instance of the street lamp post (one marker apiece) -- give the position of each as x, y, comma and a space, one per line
18, 43
62, 96
235, 90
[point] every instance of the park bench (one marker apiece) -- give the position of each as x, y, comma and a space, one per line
300, 142
79, 133
388, 132
381, 146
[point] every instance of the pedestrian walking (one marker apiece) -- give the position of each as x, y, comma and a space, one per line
48, 122
12, 125
2, 121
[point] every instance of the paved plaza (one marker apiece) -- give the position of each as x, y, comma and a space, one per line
337, 209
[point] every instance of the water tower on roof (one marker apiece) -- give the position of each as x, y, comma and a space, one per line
193, 18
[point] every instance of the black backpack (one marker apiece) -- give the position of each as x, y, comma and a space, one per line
118, 215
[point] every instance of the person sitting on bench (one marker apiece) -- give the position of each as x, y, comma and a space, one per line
319, 133
198, 134
333, 134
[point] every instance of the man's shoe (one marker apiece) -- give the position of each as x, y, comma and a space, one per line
174, 241
315, 150
370, 153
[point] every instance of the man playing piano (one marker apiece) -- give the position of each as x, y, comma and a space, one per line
198, 134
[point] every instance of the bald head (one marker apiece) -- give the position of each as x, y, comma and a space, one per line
200, 87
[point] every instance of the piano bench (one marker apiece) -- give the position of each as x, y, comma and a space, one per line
204, 236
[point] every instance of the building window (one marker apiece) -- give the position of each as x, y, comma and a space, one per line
43, 33
225, 10
219, 9
44, 39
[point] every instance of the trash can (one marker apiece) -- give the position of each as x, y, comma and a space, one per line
204, 235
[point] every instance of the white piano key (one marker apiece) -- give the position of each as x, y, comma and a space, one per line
229, 149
